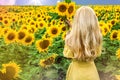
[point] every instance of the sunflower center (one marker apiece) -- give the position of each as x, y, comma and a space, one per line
41, 24
64, 28
101, 25
30, 13
64, 36
115, 35
29, 20
28, 39
36, 25
21, 16
49, 24
44, 44
105, 30
62, 8
21, 35
5, 21
38, 15
10, 71
1, 18
42, 16
61, 19
13, 20
109, 26
54, 31
32, 23
53, 22
48, 19
5, 31
11, 36
70, 9
24, 27
113, 22
32, 29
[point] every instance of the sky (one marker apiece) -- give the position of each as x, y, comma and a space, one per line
53, 2
7, 2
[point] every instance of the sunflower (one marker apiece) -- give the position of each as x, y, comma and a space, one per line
62, 8
60, 22
43, 16
28, 40
70, 18
113, 21
42, 63
114, 35
53, 31
41, 24
43, 44
19, 22
6, 22
22, 15
48, 61
24, 27
30, 13
38, 15
54, 55
28, 20
117, 16
118, 53
64, 35
10, 37
32, 29
109, 26
48, 18
63, 28
53, 22
39, 19
118, 34
23, 21
71, 9
49, 24
21, 34
96, 12
104, 30
101, 23
11, 70
1, 18
14, 18
32, 22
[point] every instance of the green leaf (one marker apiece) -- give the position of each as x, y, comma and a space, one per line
68, 1
113, 57
54, 16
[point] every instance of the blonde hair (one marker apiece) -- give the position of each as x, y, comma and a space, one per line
85, 38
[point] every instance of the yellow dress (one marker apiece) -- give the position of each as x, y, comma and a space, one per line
80, 70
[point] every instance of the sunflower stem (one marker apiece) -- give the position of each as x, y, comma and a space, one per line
66, 23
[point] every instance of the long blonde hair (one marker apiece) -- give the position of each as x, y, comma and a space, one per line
85, 38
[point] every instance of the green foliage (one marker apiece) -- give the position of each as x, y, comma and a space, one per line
68, 1
40, 33
54, 16
108, 61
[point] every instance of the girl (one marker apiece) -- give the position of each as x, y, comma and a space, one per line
83, 45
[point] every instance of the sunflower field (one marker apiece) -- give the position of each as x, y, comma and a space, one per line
32, 41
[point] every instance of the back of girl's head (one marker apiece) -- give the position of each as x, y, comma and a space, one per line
85, 37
